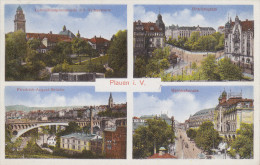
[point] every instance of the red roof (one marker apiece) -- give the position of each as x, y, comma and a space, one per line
235, 100
147, 26
98, 40
164, 156
50, 37
246, 25
136, 117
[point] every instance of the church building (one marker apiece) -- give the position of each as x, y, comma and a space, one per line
239, 43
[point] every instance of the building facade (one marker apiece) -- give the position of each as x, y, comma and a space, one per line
148, 36
231, 112
239, 43
77, 141
174, 32
199, 117
115, 142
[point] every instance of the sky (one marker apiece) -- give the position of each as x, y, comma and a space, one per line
183, 104
189, 15
43, 18
70, 96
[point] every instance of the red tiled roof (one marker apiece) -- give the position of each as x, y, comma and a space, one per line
232, 101
221, 27
136, 117
164, 156
98, 40
50, 37
147, 26
246, 25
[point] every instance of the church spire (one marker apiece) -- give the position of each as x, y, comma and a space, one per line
110, 101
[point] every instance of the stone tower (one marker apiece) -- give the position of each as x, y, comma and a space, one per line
19, 20
159, 23
110, 101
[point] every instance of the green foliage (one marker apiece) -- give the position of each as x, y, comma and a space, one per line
117, 53
207, 137
229, 71
80, 46
109, 113
139, 67
15, 52
34, 44
244, 143
157, 133
213, 42
191, 133
194, 65
209, 68
64, 67
84, 155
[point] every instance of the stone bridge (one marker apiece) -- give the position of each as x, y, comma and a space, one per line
20, 128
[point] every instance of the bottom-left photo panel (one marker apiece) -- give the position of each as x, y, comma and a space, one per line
64, 122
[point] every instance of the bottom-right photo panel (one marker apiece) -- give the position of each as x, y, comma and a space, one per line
194, 122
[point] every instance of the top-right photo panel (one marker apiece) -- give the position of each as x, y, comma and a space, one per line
194, 42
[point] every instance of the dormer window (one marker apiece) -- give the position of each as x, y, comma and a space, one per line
151, 28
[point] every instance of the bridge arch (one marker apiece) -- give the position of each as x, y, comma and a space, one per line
21, 132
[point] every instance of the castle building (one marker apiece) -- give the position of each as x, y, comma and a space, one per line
148, 36
231, 112
239, 43
19, 20
174, 32
49, 40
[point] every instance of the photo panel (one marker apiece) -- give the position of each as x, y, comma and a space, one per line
48, 42
64, 122
194, 122
194, 42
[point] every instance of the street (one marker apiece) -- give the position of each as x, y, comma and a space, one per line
185, 149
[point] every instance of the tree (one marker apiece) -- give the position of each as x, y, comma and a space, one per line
15, 52
229, 71
139, 67
209, 68
79, 46
164, 64
191, 133
244, 143
117, 54
34, 44
207, 137
157, 134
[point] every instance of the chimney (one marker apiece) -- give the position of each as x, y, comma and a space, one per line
91, 121
50, 32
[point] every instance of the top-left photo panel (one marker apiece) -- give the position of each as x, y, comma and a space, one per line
65, 42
